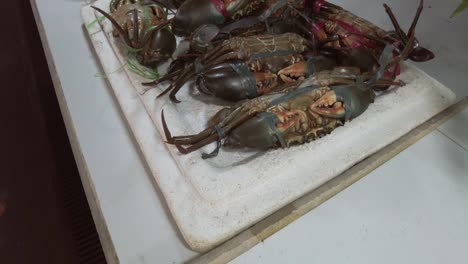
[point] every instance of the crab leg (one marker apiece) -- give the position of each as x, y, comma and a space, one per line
212, 134
416, 18
395, 23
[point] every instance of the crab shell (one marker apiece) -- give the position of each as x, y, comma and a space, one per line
303, 117
194, 13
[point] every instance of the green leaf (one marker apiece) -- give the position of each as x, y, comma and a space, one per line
132, 50
460, 8
100, 75
149, 29
145, 15
147, 73
97, 20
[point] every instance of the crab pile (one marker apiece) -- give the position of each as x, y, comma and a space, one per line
290, 71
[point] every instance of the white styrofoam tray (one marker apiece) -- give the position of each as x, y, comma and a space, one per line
212, 200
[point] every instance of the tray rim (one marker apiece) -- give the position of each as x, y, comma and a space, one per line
194, 243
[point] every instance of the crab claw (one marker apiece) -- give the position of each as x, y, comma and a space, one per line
293, 73
329, 105
234, 81
303, 69
266, 82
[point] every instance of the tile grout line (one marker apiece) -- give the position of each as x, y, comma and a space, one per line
453, 140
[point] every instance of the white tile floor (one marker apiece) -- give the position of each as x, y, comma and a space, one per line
396, 225
457, 129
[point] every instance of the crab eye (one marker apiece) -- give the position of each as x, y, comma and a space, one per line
421, 54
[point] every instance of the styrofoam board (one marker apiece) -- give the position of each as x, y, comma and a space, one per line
212, 200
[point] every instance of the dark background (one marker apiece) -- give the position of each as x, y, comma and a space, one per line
44, 215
